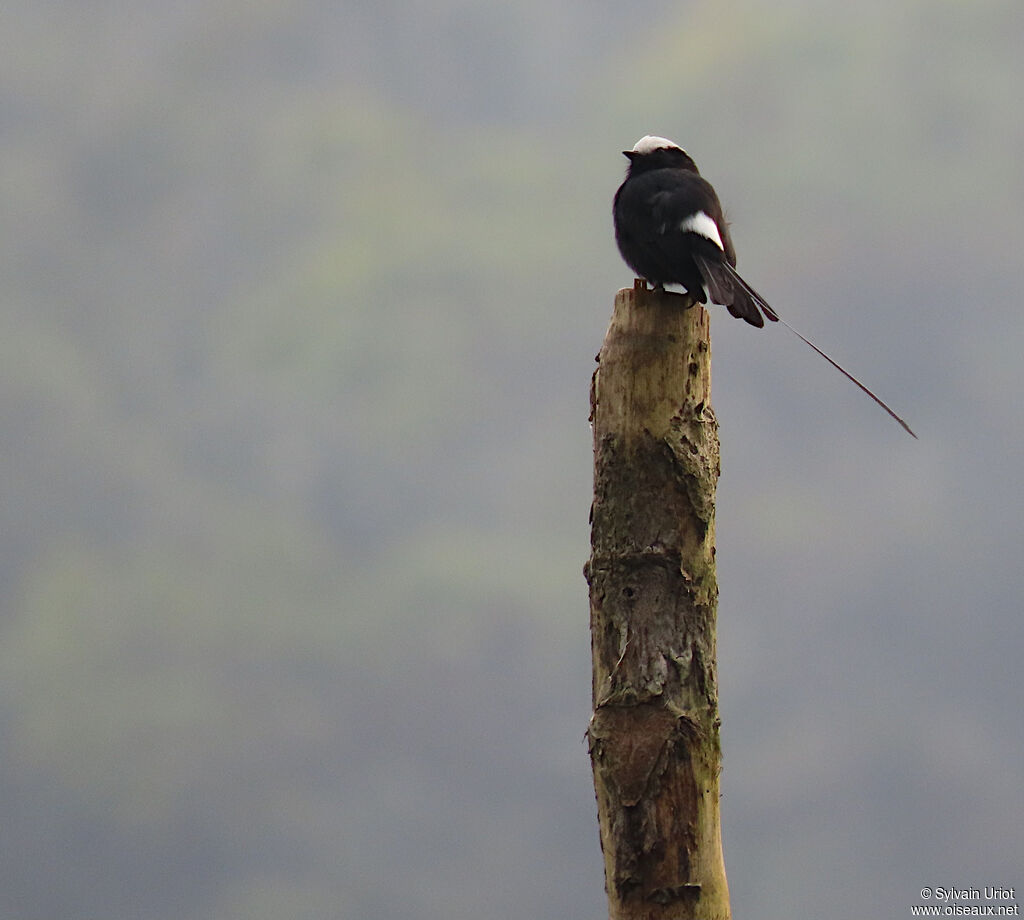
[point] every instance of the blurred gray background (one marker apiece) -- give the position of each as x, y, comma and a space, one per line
299, 304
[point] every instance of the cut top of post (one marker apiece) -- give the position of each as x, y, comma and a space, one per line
663, 342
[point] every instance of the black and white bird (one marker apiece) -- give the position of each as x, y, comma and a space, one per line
670, 229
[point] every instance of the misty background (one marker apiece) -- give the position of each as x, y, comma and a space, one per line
299, 304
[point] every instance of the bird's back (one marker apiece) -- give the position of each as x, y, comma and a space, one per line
651, 209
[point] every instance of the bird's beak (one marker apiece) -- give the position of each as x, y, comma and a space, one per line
629, 154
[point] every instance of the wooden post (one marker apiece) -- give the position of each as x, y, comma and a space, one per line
654, 739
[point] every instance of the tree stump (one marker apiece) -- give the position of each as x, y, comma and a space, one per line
654, 733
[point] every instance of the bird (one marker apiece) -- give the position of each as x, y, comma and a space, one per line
670, 229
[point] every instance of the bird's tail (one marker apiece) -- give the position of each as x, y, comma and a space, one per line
727, 287
842, 370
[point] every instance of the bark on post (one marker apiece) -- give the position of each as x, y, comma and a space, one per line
654, 733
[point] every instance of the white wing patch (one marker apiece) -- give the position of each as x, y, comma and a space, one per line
649, 143
701, 224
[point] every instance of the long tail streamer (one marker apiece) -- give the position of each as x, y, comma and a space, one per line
842, 370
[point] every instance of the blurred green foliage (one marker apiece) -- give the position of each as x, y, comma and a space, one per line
298, 313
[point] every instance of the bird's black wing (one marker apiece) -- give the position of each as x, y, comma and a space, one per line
716, 279
689, 196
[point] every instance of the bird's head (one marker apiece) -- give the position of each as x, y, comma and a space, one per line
652, 152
